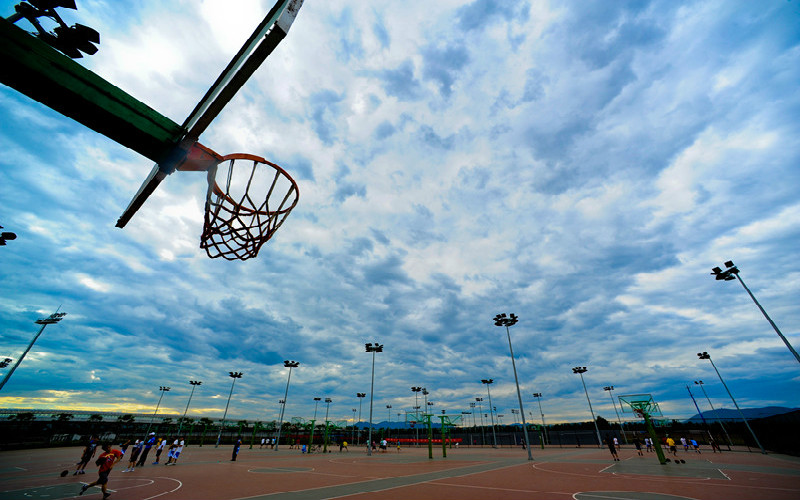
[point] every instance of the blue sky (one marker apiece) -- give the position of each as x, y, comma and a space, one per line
581, 164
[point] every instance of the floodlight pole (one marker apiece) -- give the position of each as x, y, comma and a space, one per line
480, 409
234, 376
610, 388
353, 430
507, 321
580, 370
287, 364
705, 355
360, 396
328, 401
50, 320
702, 388
388, 426
538, 396
194, 383
699, 412
416, 391
313, 424
163, 389
491, 412
732, 272
373, 349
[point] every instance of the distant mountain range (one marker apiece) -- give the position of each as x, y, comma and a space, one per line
749, 413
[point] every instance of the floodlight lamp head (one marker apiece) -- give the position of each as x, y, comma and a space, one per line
328, 400
703, 355
195, 382
317, 399
479, 399
698, 382
487, 381
291, 364
416, 389
608, 388
374, 347
235, 375
729, 264
537, 394
425, 391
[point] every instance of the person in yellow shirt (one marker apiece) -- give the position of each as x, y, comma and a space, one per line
671, 444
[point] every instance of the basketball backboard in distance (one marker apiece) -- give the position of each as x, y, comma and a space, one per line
644, 402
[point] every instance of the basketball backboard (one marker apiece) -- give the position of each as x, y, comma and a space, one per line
36, 69
637, 403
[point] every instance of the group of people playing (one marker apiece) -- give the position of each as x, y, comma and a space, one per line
613, 445
140, 449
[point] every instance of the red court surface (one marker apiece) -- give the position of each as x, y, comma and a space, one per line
207, 473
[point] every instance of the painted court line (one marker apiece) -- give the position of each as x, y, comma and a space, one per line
180, 484
383, 484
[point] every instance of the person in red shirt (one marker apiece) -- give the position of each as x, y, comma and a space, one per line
106, 461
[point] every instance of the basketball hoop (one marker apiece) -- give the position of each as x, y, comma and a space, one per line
638, 412
239, 217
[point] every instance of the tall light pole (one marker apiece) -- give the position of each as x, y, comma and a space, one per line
731, 273
313, 424
580, 370
234, 376
705, 355
488, 382
389, 411
538, 396
700, 383
416, 391
163, 389
353, 430
328, 401
508, 321
50, 320
472, 410
194, 383
360, 396
480, 409
425, 395
610, 388
373, 348
287, 364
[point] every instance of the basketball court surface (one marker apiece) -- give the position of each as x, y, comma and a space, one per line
557, 473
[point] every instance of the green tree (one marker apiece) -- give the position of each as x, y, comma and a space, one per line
603, 423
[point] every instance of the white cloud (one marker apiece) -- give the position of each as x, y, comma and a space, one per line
585, 172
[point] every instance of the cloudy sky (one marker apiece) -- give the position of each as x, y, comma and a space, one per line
581, 164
